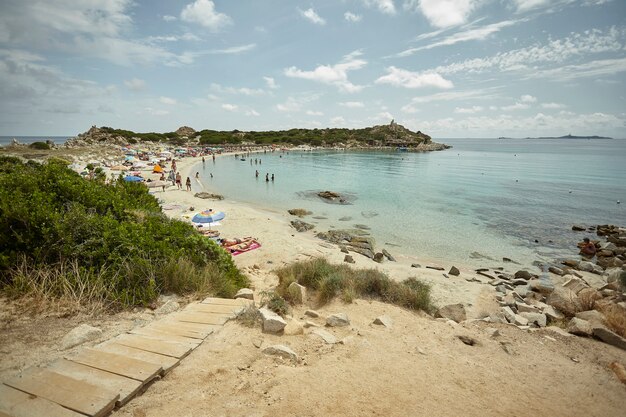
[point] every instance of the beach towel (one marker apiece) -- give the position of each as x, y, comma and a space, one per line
252, 246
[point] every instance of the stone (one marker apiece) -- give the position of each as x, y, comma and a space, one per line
552, 313
609, 337
509, 315
585, 266
379, 257
281, 351
523, 274
525, 308
435, 267
301, 226
454, 312
326, 336
79, 335
257, 343
388, 256
454, 271
297, 292
572, 263
168, 307
384, 321
556, 270
349, 259
592, 316
520, 320
309, 323
245, 293
338, 320
578, 228
541, 286
312, 313
293, 327
521, 290
272, 322
416, 266
565, 300
535, 318
575, 284
579, 327
501, 288
206, 195
559, 331
492, 332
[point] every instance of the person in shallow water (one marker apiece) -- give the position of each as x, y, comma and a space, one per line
267, 177
588, 248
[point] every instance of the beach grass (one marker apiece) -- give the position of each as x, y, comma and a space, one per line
330, 281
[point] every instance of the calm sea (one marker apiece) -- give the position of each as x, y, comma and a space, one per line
5, 140
484, 199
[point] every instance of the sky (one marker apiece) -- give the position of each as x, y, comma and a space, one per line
449, 68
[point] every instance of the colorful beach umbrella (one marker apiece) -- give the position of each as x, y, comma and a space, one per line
208, 216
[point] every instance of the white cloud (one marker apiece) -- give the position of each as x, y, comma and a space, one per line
525, 5
295, 104
352, 104
156, 112
135, 84
444, 13
271, 83
402, 78
351, 17
516, 106
527, 98
475, 34
384, 116
169, 18
410, 109
252, 112
336, 75
233, 50
556, 51
230, 107
384, 6
173, 38
312, 16
314, 113
598, 68
245, 91
552, 105
482, 94
167, 100
338, 121
203, 12
468, 110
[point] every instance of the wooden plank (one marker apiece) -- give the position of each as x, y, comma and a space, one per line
227, 301
166, 336
71, 393
118, 364
161, 347
125, 387
234, 311
181, 329
202, 318
202, 329
167, 363
15, 403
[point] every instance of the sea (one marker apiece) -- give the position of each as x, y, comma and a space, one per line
6, 140
474, 204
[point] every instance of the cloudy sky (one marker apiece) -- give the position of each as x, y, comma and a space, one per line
450, 68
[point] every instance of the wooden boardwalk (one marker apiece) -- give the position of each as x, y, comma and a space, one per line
98, 380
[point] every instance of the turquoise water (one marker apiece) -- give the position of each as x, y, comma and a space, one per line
494, 197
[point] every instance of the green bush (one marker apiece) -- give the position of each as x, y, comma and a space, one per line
42, 146
332, 281
55, 217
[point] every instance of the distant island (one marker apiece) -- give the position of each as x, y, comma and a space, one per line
570, 136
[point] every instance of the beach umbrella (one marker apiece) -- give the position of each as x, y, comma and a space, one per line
208, 216
133, 178
119, 168
156, 184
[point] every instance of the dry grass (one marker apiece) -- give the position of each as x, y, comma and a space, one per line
250, 317
615, 319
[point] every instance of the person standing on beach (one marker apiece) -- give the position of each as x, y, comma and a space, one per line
179, 181
188, 184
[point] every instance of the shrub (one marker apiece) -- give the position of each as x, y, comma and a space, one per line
274, 302
116, 232
331, 281
615, 319
42, 146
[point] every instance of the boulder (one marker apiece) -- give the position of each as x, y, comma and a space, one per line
294, 327
592, 316
538, 319
572, 263
508, 314
552, 313
79, 335
520, 320
379, 257
281, 351
416, 266
297, 292
384, 321
349, 259
272, 322
565, 300
525, 308
312, 313
454, 271
388, 256
301, 226
579, 327
609, 337
245, 293
541, 286
578, 228
338, 320
167, 308
329, 195
575, 284
556, 270
454, 312
206, 196
585, 266
523, 274
326, 336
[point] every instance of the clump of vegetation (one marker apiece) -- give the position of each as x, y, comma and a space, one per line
250, 317
332, 281
275, 302
42, 146
300, 212
63, 235
615, 319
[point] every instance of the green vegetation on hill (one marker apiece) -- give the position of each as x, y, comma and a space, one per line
62, 234
386, 135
